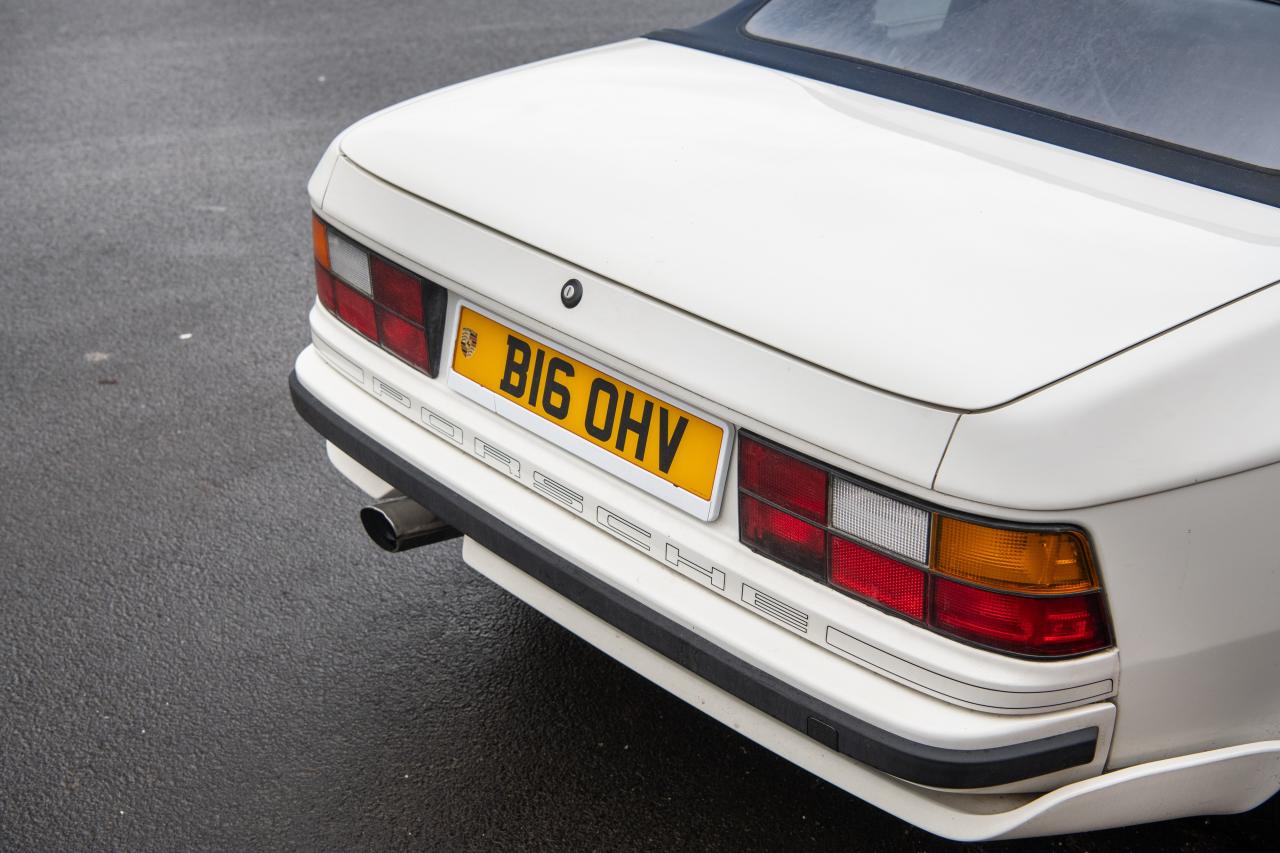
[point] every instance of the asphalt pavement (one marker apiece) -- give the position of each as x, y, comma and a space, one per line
198, 647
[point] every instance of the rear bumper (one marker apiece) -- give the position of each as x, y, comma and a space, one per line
1223, 781
525, 546
861, 741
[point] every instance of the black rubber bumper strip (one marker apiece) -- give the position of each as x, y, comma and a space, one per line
861, 741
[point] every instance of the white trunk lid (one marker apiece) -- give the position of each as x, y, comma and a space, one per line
922, 255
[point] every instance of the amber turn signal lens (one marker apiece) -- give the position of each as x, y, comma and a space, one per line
320, 241
1033, 561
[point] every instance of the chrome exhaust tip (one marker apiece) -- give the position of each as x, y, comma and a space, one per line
398, 524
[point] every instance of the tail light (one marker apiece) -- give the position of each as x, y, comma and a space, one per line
396, 309
1023, 589
790, 540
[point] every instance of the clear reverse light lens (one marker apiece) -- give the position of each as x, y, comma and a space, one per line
878, 520
350, 263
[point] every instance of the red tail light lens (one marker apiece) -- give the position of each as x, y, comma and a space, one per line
396, 289
324, 288
1055, 625
389, 305
783, 479
876, 577
784, 537
405, 339
1023, 589
356, 310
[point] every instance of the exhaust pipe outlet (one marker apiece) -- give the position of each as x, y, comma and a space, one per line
398, 524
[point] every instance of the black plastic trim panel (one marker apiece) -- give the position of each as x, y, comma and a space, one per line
861, 741
726, 35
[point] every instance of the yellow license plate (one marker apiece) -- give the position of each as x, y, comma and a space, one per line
647, 431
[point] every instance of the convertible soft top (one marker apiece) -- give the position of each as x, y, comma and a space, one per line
1182, 88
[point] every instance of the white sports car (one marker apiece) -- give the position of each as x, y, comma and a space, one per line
896, 381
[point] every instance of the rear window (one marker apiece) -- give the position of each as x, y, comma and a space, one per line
1200, 74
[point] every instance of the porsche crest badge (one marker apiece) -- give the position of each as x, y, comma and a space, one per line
468, 340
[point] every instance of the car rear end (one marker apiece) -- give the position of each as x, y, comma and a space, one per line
760, 534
